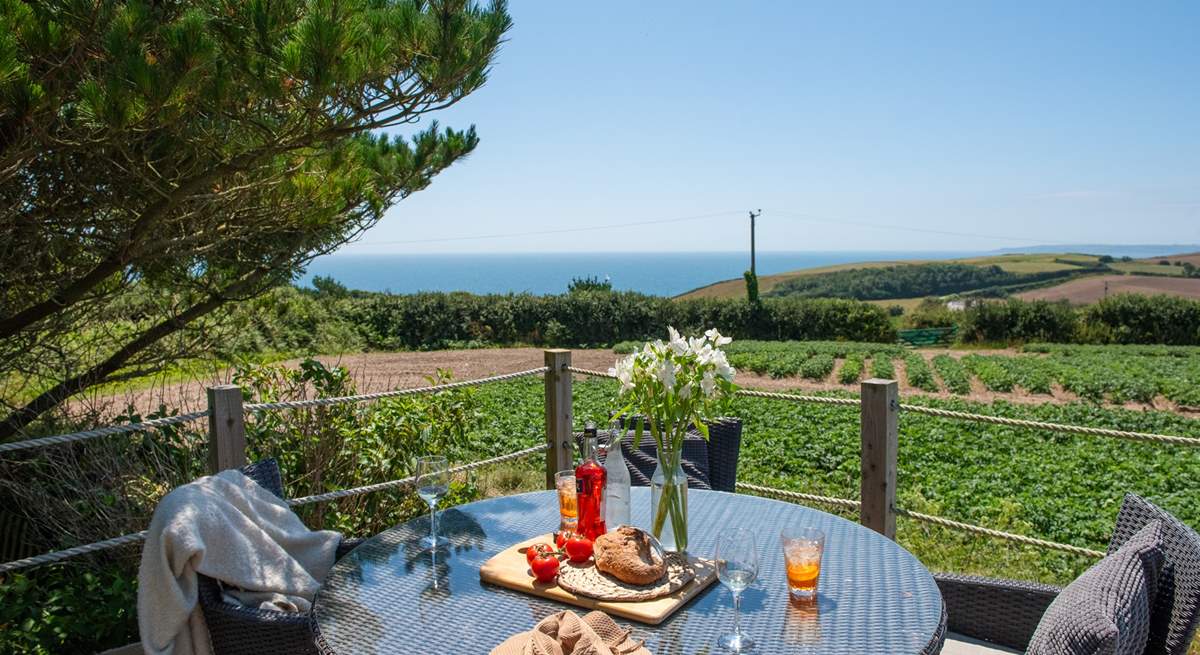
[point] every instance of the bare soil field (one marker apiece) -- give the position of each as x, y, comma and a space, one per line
374, 372
1090, 289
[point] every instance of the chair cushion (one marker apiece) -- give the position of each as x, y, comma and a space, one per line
1106, 611
1177, 602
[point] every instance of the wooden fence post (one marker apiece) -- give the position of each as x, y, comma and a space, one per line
879, 412
226, 428
558, 413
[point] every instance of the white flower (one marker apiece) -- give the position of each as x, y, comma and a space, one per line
666, 374
723, 368
684, 391
623, 371
716, 338
678, 345
707, 384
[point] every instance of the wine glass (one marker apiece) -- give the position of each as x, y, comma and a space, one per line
737, 566
433, 481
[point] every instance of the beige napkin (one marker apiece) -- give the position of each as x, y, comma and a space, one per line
567, 634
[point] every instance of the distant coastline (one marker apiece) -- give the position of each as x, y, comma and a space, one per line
665, 274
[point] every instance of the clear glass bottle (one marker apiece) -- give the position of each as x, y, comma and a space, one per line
616, 493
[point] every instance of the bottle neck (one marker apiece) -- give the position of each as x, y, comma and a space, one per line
589, 447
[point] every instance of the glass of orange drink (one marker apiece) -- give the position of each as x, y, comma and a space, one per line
802, 549
568, 509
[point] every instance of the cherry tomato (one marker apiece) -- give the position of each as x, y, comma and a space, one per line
533, 551
579, 548
560, 537
544, 566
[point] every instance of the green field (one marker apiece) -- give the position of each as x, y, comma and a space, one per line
1114, 374
1053, 486
1017, 263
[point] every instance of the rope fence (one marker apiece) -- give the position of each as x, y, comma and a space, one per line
947, 413
404, 482
796, 495
1021, 539
591, 372
1055, 427
102, 432
137, 537
924, 518
799, 398
323, 402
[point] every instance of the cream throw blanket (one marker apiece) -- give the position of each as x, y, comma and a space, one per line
229, 528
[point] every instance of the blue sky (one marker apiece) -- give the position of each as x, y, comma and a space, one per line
1004, 123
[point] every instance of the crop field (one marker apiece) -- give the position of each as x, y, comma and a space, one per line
1060, 487
1091, 289
1112, 374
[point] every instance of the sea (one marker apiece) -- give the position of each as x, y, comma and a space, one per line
656, 273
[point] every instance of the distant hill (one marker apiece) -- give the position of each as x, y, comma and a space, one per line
1014, 263
1143, 251
905, 282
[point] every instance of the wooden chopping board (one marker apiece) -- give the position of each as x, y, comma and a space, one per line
510, 569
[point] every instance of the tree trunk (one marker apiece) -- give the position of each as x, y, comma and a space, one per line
21, 418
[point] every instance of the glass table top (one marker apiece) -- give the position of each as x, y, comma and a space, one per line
391, 596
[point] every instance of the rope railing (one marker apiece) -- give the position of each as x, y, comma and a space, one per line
323, 402
403, 482
591, 372
745, 392
1055, 427
799, 398
1019, 538
925, 518
102, 432
137, 537
796, 495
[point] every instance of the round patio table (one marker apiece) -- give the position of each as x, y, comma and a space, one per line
391, 596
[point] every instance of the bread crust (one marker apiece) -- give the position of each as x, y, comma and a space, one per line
626, 554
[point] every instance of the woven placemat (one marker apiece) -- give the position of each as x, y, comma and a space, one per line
587, 580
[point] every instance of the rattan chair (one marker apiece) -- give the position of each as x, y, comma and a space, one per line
709, 464
1006, 612
241, 630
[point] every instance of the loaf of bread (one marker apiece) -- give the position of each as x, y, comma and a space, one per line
626, 554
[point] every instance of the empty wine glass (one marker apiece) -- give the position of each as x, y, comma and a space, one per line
433, 481
737, 566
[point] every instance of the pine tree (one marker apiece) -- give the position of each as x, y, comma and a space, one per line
159, 160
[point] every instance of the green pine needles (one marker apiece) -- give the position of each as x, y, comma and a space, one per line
159, 160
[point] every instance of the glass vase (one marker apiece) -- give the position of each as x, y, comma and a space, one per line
668, 504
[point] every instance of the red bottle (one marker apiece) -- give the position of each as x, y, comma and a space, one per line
589, 487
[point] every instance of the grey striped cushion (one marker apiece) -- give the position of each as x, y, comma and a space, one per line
1106, 611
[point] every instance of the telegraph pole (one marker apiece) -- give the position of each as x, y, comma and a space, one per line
753, 215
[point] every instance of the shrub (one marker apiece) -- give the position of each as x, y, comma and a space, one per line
585, 317
1134, 318
1016, 320
931, 313
589, 284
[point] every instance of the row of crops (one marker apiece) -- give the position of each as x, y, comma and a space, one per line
1099, 373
